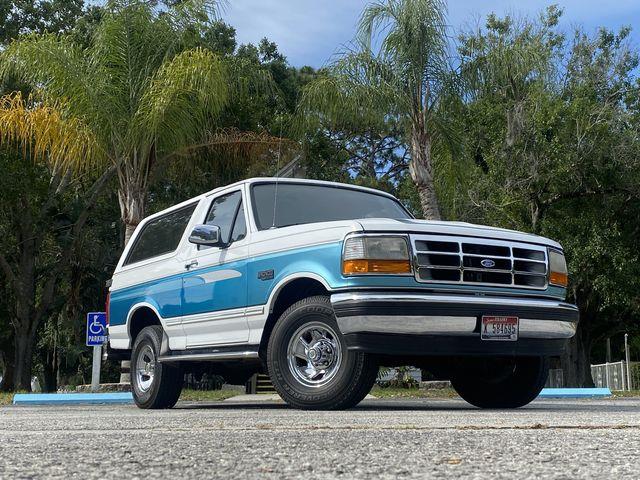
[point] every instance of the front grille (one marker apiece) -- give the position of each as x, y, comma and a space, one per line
474, 261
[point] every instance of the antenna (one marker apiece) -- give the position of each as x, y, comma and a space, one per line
275, 191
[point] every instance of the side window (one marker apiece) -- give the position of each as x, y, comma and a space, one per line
223, 213
161, 235
240, 226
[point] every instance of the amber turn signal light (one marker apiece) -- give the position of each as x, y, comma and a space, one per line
350, 267
558, 278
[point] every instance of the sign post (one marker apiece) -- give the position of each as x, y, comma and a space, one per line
626, 354
96, 337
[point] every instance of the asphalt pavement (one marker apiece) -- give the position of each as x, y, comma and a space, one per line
380, 439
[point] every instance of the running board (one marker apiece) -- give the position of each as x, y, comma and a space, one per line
211, 354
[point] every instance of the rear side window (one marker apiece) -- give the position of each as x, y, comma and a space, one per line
161, 235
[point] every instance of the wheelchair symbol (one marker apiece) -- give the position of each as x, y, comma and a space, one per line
95, 327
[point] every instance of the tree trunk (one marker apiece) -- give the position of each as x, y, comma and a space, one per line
132, 199
23, 360
421, 170
7, 383
576, 362
50, 371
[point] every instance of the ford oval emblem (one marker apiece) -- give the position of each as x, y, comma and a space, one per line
488, 263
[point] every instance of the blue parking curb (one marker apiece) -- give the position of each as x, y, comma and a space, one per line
574, 392
72, 398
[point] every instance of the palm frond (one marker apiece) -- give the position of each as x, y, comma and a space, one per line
234, 143
53, 65
357, 89
47, 135
182, 94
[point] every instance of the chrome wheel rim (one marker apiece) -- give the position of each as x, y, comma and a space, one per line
314, 354
145, 368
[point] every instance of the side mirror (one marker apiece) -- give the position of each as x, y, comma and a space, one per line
208, 235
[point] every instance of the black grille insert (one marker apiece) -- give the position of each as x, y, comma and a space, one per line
437, 275
501, 278
436, 246
529, 267
435, 259
528, 254
530, 280
480, 249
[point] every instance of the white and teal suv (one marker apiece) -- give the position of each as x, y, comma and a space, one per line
319, 283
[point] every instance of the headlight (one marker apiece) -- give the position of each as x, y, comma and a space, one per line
558, 274
376, 254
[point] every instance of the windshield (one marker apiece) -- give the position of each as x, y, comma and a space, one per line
300, 203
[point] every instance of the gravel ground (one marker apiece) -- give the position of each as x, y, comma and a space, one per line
379, 439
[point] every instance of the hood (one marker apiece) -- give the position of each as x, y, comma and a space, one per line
451, 228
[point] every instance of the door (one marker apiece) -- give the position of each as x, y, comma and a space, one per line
214, 288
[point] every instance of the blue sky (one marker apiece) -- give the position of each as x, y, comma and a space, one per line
308, 32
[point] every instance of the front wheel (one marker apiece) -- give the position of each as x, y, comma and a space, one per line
154, 384
500, 382
309, 363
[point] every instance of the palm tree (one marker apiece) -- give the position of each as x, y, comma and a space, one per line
143, 88
33, 267
399, 69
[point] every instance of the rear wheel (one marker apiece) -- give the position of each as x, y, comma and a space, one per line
309, 363
154, 384
500, 382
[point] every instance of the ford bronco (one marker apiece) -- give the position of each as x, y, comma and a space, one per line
319, 283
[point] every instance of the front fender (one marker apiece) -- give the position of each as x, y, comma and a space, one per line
322, 263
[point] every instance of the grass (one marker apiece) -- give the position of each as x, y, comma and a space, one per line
219, 395
6, 398
207, 395
379, 392
391, 392
631, 393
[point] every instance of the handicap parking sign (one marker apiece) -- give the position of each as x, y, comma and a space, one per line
96, 329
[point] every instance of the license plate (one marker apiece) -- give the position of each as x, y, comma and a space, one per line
499, 328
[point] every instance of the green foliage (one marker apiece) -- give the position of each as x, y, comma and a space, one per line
396, 80
552, 133
145, 85
23, 16
155, 86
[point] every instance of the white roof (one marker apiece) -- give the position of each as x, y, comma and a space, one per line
300, 180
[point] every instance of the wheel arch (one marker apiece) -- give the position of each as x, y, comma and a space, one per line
287, 292
140, 316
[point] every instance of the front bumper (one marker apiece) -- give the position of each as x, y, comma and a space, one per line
422, 324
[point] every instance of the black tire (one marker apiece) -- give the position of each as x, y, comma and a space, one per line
500, 382
351, 379
165, 385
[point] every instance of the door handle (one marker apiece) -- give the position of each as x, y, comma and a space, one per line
192, 263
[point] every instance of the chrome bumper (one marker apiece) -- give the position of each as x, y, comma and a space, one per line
449, 315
